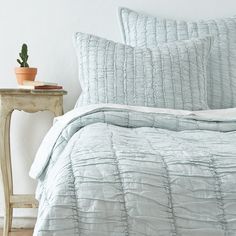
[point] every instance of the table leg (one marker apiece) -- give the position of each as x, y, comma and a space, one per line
7, 220
58, 108
6, 170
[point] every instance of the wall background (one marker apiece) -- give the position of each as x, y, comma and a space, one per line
48, 27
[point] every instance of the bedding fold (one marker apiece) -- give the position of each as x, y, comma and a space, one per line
129, 116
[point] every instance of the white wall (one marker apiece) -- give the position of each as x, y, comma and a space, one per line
47, 26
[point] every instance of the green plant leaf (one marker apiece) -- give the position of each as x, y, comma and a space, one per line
24, 56
18, 60
24, 48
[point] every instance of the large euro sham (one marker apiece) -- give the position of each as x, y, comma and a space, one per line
147, 31
112, 170
172, 75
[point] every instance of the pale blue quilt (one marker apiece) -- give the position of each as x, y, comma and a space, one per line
111, 170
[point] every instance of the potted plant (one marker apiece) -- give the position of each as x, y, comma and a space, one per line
24, 72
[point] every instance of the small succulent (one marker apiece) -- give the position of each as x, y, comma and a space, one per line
24, 56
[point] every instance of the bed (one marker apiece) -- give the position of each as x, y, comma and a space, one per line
123, 170
142, 154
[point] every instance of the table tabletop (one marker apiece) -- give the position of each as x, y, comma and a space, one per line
16, 91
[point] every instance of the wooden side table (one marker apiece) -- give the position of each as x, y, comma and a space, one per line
28, 101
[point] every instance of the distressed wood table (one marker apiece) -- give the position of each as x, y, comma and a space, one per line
28, 101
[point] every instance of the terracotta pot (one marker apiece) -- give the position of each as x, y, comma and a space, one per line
25, 73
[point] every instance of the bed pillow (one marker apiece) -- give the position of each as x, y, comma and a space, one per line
146, 31
172, 75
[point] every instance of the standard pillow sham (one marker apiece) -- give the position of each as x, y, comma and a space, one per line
172, 75
146, 31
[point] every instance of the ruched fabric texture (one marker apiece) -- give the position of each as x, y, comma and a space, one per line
172, 75
125, 173
147, 31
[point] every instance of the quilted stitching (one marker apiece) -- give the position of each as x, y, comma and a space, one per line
219, 195
122, 189
170, 183
167, 184
170, 76
146, 31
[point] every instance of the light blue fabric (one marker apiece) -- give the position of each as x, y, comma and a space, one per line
119, 172
170, 76
147, 31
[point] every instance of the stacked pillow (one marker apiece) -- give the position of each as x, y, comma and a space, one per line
171, 75
146, 31
163, 63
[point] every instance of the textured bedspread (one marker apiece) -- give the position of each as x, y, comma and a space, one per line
125, 171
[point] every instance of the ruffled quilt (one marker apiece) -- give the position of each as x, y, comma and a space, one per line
110, 170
